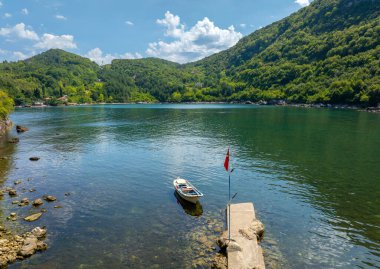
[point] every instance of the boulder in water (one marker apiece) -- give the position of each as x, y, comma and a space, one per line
49, 198
21, 129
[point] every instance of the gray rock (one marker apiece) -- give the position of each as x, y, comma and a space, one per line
233, 246
29, 246
39, 232
255, 229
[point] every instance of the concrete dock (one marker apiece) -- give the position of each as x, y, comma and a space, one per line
244, 252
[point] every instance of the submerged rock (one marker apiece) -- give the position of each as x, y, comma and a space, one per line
49, 198
24, 201
17, 182
21, 129
37, 202
220, 262
12, 192
33, 217
14, 140
12, 216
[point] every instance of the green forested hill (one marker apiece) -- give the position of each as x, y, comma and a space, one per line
328, 52
52, 73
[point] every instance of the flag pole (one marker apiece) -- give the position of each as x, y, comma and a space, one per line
229, 207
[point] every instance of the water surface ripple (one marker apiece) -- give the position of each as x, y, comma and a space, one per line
313, 175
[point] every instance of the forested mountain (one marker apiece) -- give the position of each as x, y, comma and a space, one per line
328, 52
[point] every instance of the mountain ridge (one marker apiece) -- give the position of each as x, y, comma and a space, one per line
327, 52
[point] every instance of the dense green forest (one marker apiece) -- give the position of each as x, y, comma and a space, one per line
328, 52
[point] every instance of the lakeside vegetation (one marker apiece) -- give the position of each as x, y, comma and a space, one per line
6, 105
328, 52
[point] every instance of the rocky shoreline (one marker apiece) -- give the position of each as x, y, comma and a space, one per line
15, 246
18, 247
260, 103
4, 126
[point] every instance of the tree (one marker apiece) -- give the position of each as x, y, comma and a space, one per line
6, 105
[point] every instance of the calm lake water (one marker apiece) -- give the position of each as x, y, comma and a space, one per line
312, 174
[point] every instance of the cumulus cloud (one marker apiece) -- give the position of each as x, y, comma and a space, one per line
60, 17
303, 3
201, 40
50, 41
243, 25
97, 56
20, 31
24, 11
173, 25
129, 23
19, 55
7, 15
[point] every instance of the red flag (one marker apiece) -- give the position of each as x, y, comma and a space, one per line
227, 160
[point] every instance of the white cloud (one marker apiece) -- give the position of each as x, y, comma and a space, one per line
201, 40
173, 25
97, 56
19, 55
243, 25
7, 15
50, 41
24, 11
60, 17
19, 31
129, 23
1, 4
302, 3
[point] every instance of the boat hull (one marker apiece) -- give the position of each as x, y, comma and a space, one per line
189, 199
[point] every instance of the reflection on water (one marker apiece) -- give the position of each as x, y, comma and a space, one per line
312, 175
189, 208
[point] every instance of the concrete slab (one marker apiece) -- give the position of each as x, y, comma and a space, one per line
243, 253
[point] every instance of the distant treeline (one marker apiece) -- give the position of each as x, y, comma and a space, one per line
328, 52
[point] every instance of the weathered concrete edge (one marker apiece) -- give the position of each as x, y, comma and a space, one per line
243, 251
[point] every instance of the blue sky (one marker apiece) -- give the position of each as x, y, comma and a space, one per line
176, 30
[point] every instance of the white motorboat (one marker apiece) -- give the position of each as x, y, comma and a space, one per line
186, 190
